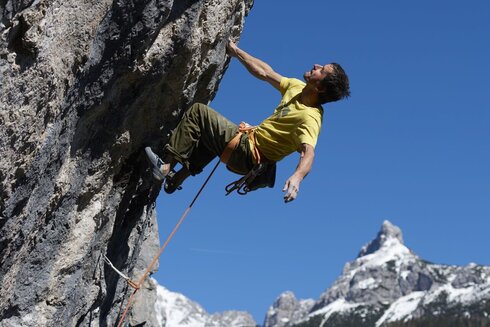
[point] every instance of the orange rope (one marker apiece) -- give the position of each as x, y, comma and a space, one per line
155, 258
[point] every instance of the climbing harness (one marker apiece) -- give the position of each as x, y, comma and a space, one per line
243, 128
261, 175
138, 285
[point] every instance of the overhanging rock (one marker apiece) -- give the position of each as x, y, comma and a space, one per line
85, 85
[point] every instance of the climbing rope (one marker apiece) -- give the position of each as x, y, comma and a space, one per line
155, 258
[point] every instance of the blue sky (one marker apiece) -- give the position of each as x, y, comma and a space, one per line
411, 145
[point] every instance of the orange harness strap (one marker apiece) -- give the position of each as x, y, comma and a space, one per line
231, 146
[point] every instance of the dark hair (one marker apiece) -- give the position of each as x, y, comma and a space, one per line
336, 85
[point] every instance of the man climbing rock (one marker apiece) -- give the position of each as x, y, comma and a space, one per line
203, 133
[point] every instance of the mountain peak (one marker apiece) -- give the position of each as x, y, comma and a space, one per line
388, 231
389, 283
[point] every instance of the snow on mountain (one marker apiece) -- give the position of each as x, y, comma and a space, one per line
387, 283
175, 310
405, 307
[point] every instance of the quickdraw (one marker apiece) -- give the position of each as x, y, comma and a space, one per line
242, 185
128, 280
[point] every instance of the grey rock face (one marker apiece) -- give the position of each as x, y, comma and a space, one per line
389, 283
287, 309
84, 86
231, 319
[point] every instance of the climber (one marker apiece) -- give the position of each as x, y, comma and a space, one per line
203, 133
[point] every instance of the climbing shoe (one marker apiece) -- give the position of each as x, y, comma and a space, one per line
158, 166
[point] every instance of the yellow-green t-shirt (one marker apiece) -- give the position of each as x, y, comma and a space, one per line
291, 124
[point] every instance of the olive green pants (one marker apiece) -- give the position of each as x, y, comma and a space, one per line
201, 136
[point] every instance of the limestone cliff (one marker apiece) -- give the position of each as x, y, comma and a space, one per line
85, 85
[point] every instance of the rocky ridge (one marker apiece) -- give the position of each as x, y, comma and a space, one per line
174, 309
84, 86
390, 285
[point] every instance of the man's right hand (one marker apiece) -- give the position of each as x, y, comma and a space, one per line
232, 48
255, 66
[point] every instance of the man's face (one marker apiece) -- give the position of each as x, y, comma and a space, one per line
317, 73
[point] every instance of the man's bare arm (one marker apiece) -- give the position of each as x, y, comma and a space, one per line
255, 66
307, 154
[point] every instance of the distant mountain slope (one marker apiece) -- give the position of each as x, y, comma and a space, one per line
174, 309
389, 285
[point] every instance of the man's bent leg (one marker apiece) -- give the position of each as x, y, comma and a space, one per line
201, 135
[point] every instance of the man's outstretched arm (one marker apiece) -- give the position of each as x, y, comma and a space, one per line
307, 154
255, 66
